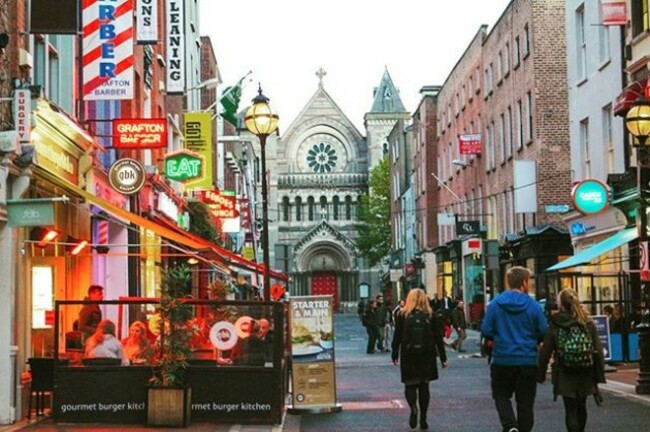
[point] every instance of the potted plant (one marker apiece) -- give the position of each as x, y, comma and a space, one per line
169, 395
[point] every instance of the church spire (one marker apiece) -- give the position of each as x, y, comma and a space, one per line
386, 97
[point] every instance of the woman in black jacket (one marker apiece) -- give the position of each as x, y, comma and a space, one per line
573, 384
418, 366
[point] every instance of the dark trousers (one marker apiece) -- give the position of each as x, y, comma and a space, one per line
575, 413
373, 336
520, 381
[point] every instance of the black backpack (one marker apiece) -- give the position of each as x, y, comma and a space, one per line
418, 335
575, 347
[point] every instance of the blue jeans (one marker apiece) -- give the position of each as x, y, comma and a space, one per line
520, 381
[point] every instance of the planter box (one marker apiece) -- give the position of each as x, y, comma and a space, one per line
169, 406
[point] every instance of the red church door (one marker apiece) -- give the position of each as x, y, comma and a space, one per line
325, 284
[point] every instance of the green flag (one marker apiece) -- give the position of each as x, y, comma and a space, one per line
230, 101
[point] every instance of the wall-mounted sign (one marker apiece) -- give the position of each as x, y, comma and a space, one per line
590, 196
614, 13
23, 115
183, 166
147, 22
469, 144
197, 128
139, 133
127, 176
175, 46
30, 212
468, 227
107, 49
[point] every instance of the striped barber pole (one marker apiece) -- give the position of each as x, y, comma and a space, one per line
102, 232
107, 49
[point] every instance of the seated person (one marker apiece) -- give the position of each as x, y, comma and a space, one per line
137, 347
104, 344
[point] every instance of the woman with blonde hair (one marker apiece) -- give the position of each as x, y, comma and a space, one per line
137, 347
576, 371
417, 341
104, 344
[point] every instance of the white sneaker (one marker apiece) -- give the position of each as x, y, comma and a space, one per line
513, 430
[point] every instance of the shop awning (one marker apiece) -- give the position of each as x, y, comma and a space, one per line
194, 242
628, 96
601, 248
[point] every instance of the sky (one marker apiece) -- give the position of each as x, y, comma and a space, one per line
284, 43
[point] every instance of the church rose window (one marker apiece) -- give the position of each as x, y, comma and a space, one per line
322, 158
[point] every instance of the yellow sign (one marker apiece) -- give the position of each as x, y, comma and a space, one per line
197, 127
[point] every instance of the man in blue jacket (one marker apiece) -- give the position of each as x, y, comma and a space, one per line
516, 323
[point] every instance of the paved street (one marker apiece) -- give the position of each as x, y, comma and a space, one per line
369, 389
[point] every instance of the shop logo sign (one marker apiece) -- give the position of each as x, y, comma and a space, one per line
183, 166
590, 196
127, 176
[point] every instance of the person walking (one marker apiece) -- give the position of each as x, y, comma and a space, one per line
369, 322
516, 323
380, 322
578, 359
459, 322
416, 341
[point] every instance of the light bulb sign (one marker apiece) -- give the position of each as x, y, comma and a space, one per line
590, 196
183, 166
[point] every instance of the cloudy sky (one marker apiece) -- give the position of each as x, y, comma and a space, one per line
284, 43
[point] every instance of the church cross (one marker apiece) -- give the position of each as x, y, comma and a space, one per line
320, 73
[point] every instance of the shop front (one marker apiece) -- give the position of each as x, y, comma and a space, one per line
238, 370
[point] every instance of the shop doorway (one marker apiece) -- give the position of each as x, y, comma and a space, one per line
324, 283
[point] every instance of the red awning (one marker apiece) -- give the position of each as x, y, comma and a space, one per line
224, 255
628, 96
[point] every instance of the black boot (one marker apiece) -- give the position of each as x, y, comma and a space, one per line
413, 418
423, 421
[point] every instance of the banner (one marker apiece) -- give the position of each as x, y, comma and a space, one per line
147, 22
469, 144
197, 127
107, 49
312, 350
175, 46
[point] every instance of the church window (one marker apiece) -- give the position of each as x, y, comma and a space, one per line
310, 208
336, 203
285, 209
348, 207
322, 158
323, 207
298, 209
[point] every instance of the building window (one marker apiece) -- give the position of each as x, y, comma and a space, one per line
516, 53
529, 115
526, 41
640, 19
335, 203
310, 208
520, 126
603, 41
581, 43
608, 139
348, 207
502, 136
285, 209
298, 209
584, 148
500, 68
323, 207
509, 140
506, 60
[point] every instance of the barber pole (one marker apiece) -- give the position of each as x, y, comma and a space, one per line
107, 49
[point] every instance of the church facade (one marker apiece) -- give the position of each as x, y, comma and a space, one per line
320, 169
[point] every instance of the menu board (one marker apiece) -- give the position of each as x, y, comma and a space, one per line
312, 351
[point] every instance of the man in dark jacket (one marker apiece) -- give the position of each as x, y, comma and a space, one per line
90, 315
516, 323
370, 323
459, 322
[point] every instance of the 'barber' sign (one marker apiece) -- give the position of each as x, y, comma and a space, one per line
107, 49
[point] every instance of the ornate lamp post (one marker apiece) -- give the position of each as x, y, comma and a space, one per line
637, 122
262, 121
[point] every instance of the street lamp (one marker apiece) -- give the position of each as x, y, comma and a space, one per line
637, 122
260, 120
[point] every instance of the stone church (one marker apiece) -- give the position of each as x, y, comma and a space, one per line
321, 168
